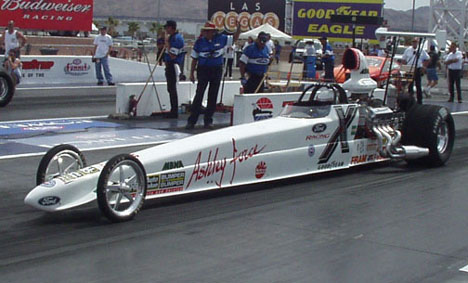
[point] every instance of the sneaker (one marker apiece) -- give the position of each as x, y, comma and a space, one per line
450, 100
100, 83
209, 126
190, 126
111, 83
171, 115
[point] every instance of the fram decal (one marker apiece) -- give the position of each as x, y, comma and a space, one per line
172, 165
260, 170
340, 134
362, 159
216, 165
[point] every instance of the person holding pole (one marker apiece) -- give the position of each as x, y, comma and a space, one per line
173, 57
207, 59
254, 62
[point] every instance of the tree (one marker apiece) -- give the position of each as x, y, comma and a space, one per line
111, 24
133, 28
155, 28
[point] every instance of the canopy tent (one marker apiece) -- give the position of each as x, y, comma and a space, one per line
275, 33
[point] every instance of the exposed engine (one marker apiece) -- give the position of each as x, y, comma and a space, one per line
385, 124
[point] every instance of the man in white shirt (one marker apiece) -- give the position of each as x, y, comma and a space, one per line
270, 45
11, 40
102, 48
409, 58
454, 62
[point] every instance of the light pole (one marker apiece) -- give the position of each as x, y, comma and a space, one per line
412, 17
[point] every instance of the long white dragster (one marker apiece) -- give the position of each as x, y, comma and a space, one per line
323, 131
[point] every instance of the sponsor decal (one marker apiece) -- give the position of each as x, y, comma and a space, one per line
361, 147
250, 14
340, 135
49, 184
215, 166
49, 201
319, 128
311, 150
372, 146
76, 68
171, 180
288, 103
37, 65
153, 182
260, 170
70, 177
331, 165
164, 191
48, 14
363, 158
172, 165
317, 137
262, 109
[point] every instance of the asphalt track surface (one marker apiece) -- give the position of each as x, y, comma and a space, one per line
379, 223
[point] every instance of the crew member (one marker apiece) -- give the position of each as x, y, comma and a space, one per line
102, 48
328, 59
454, 62
13, 39
254, 62
207, 59
173, 57
409, 58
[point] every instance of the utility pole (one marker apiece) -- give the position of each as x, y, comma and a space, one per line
412, 17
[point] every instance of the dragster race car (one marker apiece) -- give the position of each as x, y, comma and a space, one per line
321, 132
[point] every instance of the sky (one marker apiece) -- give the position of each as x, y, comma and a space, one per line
405, 4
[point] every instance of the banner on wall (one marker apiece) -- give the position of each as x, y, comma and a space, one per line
312, 18
70, 15
250, 13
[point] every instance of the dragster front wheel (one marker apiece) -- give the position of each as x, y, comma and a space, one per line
58, 161
121, 188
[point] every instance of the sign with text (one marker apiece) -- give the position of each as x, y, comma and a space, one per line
72, 15
250, 14
312, 18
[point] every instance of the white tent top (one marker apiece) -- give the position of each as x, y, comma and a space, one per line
275, 33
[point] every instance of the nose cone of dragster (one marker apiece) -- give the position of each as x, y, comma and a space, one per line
44, 197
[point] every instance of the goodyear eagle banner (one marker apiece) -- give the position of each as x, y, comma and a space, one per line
311, 18
250, 13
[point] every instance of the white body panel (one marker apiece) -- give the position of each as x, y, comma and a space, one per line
250, 153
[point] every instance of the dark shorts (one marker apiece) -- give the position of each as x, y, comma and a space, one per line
432, 75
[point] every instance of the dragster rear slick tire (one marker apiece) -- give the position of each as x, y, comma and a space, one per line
431, 127
7, 88
122, 178
58, 154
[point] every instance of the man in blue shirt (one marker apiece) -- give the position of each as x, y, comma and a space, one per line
328, 59
173, 56
208, 59
254, 62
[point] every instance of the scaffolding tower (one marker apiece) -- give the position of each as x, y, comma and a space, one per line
452, 16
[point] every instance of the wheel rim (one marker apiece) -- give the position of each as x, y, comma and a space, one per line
442, 137
3, 88
125, 188
62, 163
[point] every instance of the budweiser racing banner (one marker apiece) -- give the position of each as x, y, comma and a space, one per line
311, 18
73, 15
250, 13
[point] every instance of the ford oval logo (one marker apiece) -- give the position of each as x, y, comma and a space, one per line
77, 61
319, 128
49, 201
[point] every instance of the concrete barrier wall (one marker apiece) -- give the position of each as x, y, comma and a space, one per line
60, 70
150, 102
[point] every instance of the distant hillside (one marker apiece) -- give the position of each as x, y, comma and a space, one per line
192, 9
197, 9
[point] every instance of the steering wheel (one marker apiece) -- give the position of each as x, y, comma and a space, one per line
339, 95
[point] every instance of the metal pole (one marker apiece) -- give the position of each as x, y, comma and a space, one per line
412, 17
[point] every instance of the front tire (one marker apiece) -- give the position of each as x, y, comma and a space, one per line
58, 161
7, 88
432, 127
121, 188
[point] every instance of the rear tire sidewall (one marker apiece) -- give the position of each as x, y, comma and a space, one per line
101, 188
4, 100
421, 128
